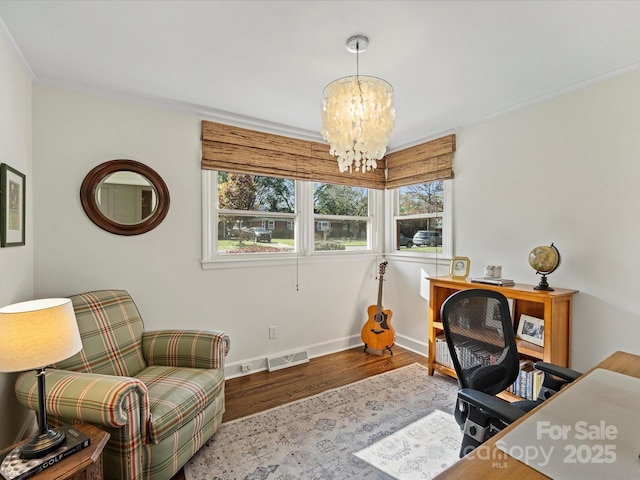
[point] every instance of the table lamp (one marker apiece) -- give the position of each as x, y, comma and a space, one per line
34, 335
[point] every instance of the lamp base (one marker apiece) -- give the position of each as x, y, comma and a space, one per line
42, 443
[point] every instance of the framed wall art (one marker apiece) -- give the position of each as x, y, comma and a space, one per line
12, 207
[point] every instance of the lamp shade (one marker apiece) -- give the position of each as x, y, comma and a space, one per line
37, 333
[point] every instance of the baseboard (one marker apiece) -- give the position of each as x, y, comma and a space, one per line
259, 364
413, 345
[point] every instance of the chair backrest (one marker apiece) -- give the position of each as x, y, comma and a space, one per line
479, 333
111, 331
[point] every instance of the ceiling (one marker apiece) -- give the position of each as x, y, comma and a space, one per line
451, 63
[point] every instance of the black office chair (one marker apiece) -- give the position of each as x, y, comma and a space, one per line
481, 340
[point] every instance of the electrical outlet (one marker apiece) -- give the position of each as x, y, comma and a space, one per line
245, 368
273, 332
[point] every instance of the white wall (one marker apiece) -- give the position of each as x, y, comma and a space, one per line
16, 263
561, 171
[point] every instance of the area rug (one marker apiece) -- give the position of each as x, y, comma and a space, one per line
316, 438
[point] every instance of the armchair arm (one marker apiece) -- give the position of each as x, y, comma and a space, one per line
490, 404
99, 399
185, 348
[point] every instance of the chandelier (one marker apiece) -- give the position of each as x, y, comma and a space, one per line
357, 116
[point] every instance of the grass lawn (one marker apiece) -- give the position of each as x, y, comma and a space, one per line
226, 245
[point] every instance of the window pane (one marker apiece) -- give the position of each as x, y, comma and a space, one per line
340, 200
420, 234
422, 198
339, 234
255, 234
252, 192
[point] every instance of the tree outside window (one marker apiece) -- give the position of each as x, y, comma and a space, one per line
255, 214
341, 216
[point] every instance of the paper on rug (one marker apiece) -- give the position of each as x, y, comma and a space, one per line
316, 438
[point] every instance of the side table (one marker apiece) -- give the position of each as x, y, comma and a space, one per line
83, 465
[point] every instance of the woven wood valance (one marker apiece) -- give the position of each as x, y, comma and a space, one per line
423, 163
239, 150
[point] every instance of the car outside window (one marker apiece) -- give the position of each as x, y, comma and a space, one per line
420, 217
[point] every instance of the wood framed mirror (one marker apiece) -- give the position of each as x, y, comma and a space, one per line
124, 197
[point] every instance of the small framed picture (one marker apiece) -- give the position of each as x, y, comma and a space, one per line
492, 316
531, 329
459, 267
12, 207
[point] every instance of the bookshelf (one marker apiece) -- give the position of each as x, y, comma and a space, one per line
553, 307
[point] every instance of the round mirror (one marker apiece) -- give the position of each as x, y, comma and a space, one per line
124, 197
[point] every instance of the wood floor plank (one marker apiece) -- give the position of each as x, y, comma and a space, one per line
264, 390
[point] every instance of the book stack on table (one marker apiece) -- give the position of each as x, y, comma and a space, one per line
14, 467
504, 282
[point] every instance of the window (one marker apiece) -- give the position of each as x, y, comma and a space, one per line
254, 214
341, 217
248, 215
421, 218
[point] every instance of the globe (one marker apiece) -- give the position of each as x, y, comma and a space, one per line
544, 260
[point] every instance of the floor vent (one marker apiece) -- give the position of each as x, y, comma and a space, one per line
284, 361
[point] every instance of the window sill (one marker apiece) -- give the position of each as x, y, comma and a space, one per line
224, 262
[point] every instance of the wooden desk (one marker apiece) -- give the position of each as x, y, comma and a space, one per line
83, 465
488, 467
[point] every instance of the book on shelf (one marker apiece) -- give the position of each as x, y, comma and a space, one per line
529, 381
14, 467
505, 282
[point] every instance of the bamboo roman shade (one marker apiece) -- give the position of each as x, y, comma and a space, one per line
239, 150
423, 163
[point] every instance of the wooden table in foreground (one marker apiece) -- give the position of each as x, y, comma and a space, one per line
493, 464
83, 465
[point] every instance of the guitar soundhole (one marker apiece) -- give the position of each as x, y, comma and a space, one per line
381, 319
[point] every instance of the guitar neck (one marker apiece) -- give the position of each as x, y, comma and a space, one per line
379, 306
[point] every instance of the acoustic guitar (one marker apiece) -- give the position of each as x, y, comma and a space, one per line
378, 333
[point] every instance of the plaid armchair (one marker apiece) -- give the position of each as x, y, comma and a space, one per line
159, 394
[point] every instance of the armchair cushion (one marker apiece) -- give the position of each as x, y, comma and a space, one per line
177, 395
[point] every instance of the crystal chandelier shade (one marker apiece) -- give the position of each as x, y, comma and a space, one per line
357, 117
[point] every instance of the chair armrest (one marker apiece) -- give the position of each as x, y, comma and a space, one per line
490, 404
555, 378
557, 371
185, 348
88, 397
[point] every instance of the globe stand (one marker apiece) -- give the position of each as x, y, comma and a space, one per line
543, 285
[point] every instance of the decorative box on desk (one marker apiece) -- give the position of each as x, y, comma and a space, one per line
86, 464
553, 307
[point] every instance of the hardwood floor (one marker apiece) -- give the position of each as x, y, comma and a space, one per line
264, 390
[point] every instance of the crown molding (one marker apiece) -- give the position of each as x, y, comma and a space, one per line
15, 50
